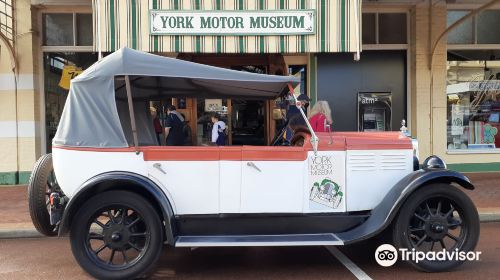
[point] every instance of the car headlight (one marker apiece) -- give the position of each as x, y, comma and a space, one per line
434, 162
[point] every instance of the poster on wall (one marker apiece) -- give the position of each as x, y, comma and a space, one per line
457, 119
374, 111
326, 182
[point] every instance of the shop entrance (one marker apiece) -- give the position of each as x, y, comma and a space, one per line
248, 121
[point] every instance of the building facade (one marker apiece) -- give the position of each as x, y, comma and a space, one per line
445, 85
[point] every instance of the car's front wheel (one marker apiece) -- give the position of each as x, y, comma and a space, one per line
437, 218
116, 235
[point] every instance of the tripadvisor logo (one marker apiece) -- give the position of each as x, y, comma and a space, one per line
386, 255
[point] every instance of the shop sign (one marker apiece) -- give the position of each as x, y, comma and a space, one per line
68, 73
280, 22
213, 105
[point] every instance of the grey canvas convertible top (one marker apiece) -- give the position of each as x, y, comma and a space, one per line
96, 107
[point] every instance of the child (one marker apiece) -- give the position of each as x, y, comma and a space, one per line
218, 135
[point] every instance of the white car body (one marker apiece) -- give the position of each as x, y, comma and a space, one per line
249, 179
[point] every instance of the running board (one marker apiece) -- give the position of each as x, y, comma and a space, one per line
258, 240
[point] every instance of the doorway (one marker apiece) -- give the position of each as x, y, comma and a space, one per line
248, 120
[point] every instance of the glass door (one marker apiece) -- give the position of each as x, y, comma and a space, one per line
205, 109
248, 125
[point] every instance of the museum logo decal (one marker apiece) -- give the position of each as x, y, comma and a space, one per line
324, 190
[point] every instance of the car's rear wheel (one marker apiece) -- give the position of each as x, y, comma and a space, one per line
41, 184
437, 217
116, 235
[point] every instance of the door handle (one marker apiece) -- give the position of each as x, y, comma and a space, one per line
158, 166
251, 164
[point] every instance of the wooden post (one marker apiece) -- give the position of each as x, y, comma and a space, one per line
132, 113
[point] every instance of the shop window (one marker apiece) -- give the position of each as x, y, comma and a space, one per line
369, 28
480, 29
384, 28
487, 27
58, 29
84, 29
67, 29
59, 69
392, 28
7, 20
473, 104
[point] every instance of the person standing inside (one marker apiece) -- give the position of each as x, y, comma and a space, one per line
294, 115
157, 124
218, 134
173, 127
320, 116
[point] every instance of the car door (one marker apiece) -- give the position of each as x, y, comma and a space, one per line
230, 179
272, 179
189, 176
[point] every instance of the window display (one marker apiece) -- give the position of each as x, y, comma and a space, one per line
473, 105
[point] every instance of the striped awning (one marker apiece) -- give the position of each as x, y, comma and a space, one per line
125, 23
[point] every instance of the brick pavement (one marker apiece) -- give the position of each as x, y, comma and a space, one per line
14, 200
487, 192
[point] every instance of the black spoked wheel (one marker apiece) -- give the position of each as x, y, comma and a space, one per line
436, 218
41, 184
117, 236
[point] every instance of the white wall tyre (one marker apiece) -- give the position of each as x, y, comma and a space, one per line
437, 217
117, 235
41, 183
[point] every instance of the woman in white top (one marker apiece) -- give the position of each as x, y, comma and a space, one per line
218, 134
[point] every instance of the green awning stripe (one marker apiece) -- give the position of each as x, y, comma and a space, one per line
128, 25
241, 39
134, 23
262, 40
155, 38
177, 41
197, 6
218, 47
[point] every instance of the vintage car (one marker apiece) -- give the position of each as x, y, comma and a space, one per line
121, 196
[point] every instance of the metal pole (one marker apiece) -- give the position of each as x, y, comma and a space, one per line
357, 10
132, 114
